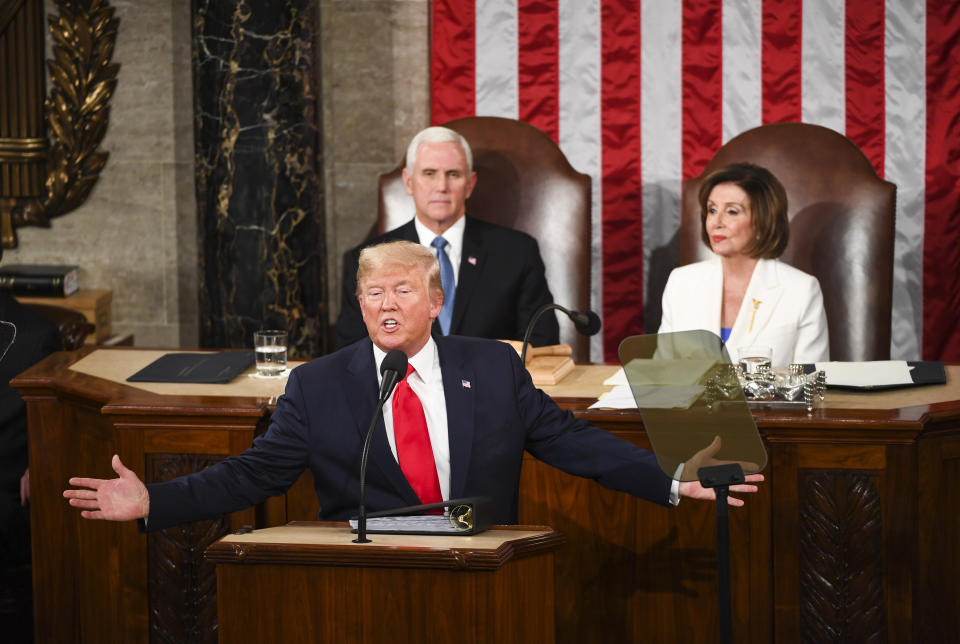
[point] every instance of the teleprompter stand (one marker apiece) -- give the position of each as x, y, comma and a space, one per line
720, 478
699, 424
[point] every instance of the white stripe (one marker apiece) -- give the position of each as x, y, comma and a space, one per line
822, 92
496, 66
579, 106
904, 165
742, 80
660, 143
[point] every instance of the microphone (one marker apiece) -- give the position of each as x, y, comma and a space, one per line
392, 370
586, 322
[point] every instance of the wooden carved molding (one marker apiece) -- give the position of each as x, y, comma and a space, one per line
77, 111
181, 582
841, 558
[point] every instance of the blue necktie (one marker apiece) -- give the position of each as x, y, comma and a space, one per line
449, 287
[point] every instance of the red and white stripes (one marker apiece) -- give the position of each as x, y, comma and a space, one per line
641, 94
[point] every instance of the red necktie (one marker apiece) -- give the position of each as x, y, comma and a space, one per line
413, 442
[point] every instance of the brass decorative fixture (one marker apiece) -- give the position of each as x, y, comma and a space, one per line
82, 81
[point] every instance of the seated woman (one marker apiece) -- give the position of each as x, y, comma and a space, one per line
744, 294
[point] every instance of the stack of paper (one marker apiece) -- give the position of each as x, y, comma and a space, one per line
877, 373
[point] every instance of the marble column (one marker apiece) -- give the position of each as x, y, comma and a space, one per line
258, 172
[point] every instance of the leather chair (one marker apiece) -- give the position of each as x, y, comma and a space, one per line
74, 327
523, 182
841, 226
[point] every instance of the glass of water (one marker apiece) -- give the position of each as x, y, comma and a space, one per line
271, 351
753, 359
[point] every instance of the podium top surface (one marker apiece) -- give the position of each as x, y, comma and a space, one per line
103, 363
331, 543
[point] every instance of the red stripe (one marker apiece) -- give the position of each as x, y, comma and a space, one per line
538, 64
453, 91
864, 78
941, 238
622, 220
781, 60
702, 83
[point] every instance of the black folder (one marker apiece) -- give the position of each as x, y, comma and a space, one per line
923, 372
467, 516
209, 368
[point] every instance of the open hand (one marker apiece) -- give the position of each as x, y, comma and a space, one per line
705, 458
120, 499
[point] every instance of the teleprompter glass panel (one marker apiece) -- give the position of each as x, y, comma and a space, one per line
688, 396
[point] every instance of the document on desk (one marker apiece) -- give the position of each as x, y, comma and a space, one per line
212, 368
662, 372
875, 373
411, 525
657, 384
649, 397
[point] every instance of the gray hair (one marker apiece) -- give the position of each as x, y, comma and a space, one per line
438, 134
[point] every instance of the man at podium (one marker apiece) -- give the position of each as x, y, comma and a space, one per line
456, 425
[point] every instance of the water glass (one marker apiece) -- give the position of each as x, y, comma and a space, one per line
270, 348
753, 359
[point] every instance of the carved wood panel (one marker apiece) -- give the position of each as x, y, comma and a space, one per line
841, 557
181, 585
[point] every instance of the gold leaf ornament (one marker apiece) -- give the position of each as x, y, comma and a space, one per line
77, 108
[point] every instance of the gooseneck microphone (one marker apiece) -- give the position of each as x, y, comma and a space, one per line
392, 370
586, 322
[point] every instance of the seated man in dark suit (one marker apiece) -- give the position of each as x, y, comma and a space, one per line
36, 337
456, 426
493, 277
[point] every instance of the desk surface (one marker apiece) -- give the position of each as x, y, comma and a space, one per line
105, 363
326, 534
584, 383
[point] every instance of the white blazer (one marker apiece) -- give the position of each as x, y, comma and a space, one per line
789, 316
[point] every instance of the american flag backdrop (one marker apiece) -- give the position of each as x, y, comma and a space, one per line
640, 94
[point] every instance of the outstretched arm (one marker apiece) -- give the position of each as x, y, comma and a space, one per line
705, 458
120, 499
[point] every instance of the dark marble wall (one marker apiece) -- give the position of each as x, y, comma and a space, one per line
258, 178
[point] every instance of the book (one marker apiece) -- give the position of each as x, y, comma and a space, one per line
210, 368
464, 517
39, 279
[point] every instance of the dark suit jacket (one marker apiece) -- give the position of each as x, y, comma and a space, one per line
36, 338
494, 414
501, 285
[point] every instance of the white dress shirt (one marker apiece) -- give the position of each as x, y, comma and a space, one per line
427, 382
454, 237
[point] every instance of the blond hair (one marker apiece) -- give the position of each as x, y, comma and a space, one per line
402, 254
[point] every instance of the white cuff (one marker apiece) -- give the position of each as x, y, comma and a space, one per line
675, 486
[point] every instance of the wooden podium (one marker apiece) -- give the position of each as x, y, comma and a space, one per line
867, 483
308, 582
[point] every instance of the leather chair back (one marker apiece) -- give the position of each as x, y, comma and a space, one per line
841, 226
524, 182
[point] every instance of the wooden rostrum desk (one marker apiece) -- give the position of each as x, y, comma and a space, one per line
854, 536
